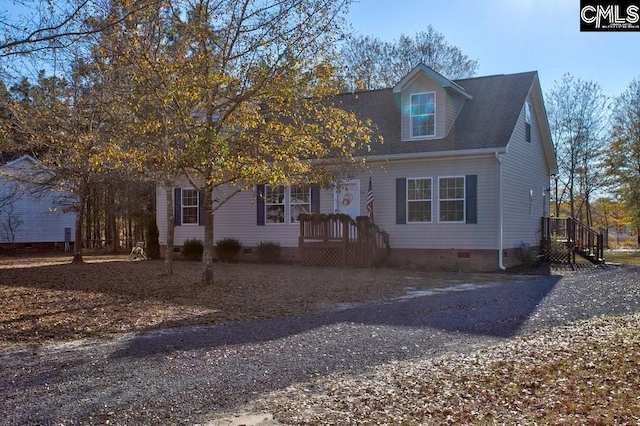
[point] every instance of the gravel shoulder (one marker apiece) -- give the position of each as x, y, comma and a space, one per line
199, 373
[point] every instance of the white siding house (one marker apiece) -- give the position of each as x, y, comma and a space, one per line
460, 182
27, 218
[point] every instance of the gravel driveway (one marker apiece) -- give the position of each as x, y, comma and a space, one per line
192, 375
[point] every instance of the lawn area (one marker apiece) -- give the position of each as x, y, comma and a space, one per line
625, 257
47, 298
587, 373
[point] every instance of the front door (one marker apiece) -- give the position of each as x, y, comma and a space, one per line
347, 198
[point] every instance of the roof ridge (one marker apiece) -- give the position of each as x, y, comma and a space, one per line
496, 75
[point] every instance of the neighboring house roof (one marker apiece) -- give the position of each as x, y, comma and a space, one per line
20, 159
485, 122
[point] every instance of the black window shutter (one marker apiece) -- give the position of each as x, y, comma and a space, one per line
200, 208
527, 132
401, 201
177, 203
315, 199
260, 204
471, 202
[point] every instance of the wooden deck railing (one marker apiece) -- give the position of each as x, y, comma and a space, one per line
574, 236
338, 240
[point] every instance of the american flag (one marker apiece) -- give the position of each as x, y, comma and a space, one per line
370, 201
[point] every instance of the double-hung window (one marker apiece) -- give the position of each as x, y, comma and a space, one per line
275, 203
299, 201
419, 200
451, 196
284, 204
190, 206
423, 114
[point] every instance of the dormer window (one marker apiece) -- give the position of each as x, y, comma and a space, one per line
423, 115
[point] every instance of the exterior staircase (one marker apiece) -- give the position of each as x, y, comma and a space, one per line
564, 238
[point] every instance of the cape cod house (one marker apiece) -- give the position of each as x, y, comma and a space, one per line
460, 182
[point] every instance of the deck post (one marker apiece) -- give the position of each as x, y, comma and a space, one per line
345, 240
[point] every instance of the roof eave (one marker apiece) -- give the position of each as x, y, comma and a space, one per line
439, 78
545, 131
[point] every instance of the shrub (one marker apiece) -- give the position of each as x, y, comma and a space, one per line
192, 249
153, 243
268, 252
228, 249
528, 257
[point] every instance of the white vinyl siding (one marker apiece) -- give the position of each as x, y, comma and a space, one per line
41, 219
434, 234
525, 177
453, 105
237, 217
419, 206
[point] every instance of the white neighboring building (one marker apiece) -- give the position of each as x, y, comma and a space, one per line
30, 219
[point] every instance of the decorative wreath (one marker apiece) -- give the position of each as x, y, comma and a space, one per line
347, 199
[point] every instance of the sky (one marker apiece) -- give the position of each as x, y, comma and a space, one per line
506, 36
511, 36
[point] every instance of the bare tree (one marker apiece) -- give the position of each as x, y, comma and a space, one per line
369, 63
44, 25
578, 115
10, 223
623, 162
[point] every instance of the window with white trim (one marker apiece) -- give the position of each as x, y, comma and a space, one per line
419, 200
451, 198
275, 202
423, 114
190, 206
284, 204
299, 201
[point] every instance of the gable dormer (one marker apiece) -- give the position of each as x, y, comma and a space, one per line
429, 104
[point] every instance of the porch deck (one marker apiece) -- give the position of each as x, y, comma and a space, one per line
338, 240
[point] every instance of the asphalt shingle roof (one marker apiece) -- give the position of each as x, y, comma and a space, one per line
486, 121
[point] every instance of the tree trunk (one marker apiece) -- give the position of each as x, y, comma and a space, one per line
168, 252
114, 235
88, 223
207, 254
80, 213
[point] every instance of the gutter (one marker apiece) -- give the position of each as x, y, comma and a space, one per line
435, 154
499, 211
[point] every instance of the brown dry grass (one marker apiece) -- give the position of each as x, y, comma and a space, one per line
46, 298
585, 374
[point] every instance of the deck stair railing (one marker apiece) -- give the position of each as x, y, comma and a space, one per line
339, 240
563, 238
